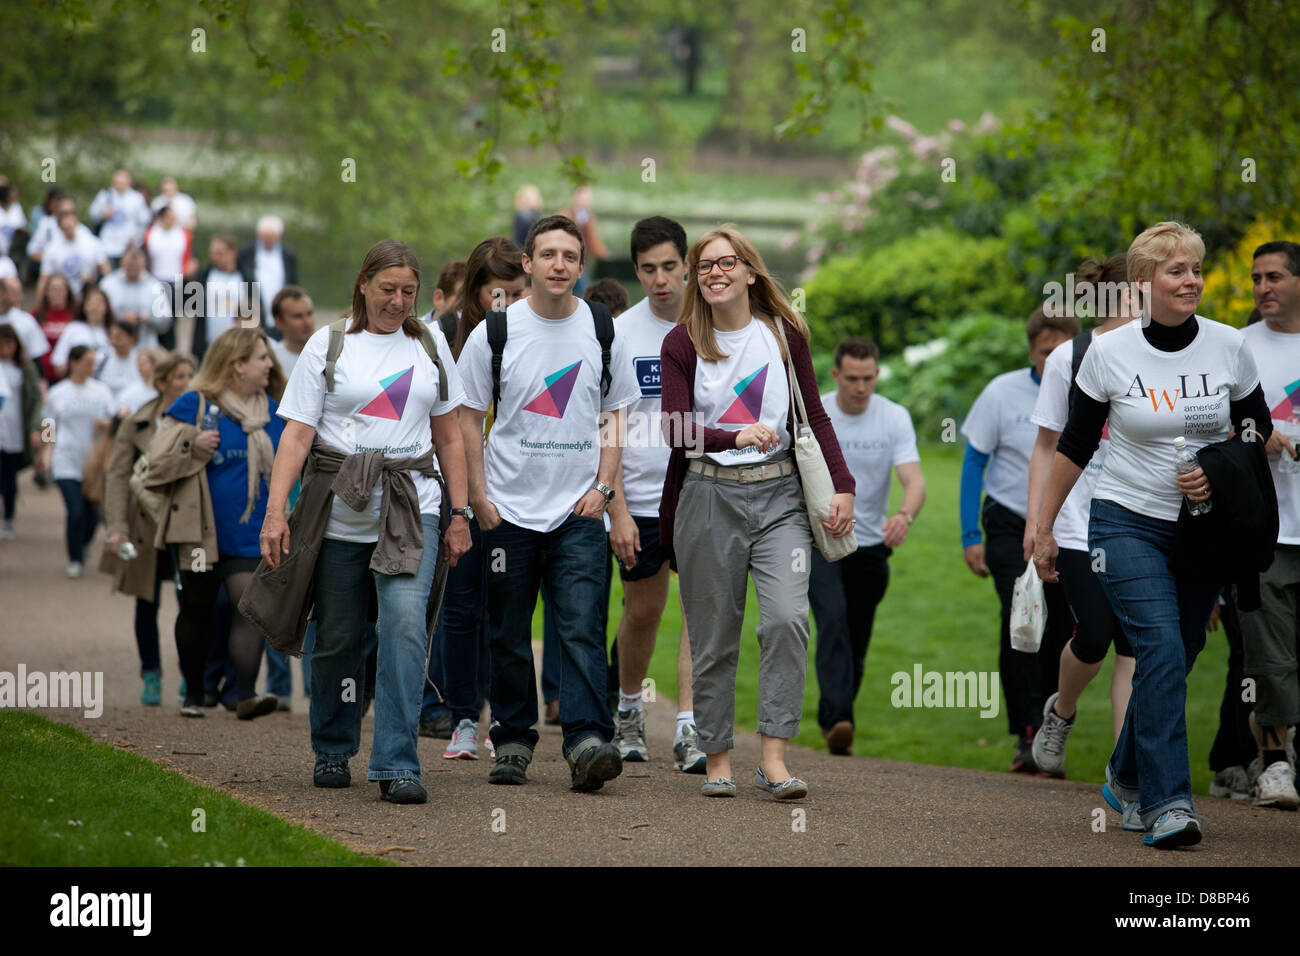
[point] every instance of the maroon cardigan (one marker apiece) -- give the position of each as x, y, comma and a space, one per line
677, 375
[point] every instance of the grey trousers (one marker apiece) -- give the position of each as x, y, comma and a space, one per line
723, 533
1269, 638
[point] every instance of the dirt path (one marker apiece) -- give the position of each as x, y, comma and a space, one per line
860, 811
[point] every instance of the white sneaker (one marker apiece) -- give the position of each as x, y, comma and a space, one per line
1276, 787
1049, 743
464, 742
629, 736
74, 569
1231, 783
7, 531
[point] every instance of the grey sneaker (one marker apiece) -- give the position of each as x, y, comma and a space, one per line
687, 755
592, 761
1123, 802
464, 742
1276, 787
790, 789
1177, 827
512, 762
629, 736
722, 787
1231, 783
1049, 743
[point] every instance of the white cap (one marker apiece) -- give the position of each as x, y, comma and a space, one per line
1180, 442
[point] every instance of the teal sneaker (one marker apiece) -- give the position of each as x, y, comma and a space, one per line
151, 696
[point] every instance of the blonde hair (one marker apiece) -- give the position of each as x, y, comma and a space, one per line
217, 373
168, 363
1158, 244
767, 299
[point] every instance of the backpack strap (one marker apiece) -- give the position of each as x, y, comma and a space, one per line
1080, 345
431, 346
604, 321
334, 350
448, 321
496, 335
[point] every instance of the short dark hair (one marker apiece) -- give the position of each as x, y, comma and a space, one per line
130, 328
857, 348
77, 352
656, 230
288, 292
452, 275
1289, 249
608, 293
550, 224
1040, 322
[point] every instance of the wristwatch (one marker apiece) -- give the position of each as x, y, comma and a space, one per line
467, 512
605, 490
909, 518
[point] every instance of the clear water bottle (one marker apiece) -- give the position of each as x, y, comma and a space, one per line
1185, 462
126, 551
210, 415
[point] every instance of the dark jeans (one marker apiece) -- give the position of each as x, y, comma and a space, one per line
146, 616
572, 561
9, 462
82, 519
218, 669
1027, 679
460, 664
844, 597
1234, 744
551, 646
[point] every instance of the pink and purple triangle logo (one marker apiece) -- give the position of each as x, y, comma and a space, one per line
747, 407
1288, 410
554, 399
391, 402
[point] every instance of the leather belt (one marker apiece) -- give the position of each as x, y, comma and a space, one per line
743, 473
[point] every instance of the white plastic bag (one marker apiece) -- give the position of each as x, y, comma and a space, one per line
1028, 612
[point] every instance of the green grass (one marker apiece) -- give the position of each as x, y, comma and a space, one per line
69, 801
936, 613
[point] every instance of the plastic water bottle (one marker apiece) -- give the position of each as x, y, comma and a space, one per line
210, 415
1185, 462
126, 551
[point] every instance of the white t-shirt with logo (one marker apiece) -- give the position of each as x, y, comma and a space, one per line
1277, 356
145, 296
385, 392
74, 259
81, 333
544, 452
1157, 396
998, 425
1053, 411
748, 386
75, 409
878, 440
12, 439
127, 223
35, 344
645, 457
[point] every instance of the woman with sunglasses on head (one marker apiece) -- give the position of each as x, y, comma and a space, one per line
737, 509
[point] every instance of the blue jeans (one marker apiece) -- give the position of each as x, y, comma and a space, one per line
462, 638
572, 561
339, 655
1164, 619
82, 519
551, 643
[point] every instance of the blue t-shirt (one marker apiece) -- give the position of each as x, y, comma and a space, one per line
228, 478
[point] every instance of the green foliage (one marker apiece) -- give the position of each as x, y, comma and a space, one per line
901, 294
946, 385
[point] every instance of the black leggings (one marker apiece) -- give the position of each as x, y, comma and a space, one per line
199, 591
1095, 623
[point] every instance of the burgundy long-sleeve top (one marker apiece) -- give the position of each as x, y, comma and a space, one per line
681, 431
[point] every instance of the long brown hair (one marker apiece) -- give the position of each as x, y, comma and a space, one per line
9, 334
217, 373
43, 306
767, 300
384, 254
495, 258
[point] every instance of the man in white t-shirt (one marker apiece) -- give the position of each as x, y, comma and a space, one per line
73, 253
540, 494
139, 298
1001, 439
295, 317
876, 436
1269, 634
124, 215
270, 263
659, 257
182, 204
35, 344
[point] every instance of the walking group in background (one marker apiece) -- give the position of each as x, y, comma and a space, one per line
390, 494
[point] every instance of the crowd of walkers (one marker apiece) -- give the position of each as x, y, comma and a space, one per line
390, 494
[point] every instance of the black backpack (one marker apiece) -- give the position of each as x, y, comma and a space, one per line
447, 322
496, 334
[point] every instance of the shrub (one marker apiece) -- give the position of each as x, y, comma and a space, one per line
902, 294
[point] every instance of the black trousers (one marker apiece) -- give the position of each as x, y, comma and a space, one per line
1234, 744
844, 597
1027, 679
